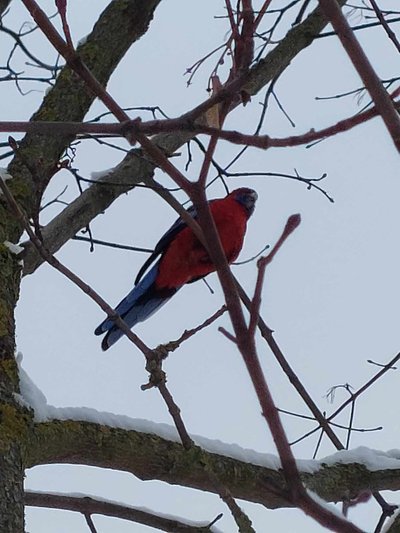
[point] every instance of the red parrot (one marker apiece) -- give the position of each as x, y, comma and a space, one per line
183, 260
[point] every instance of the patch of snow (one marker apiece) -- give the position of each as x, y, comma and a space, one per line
35, 398
31, 395
19, 399
4, 175
234, 451
373, 459
14, 248
95, 176
82, 41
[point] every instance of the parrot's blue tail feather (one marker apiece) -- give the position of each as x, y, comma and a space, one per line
143, 300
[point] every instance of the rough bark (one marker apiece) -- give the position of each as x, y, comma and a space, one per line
15, 425
13, 422
11, 516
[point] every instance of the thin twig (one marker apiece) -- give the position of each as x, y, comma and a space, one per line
171, 346
390, 33
112, 244
366, 386
291, 224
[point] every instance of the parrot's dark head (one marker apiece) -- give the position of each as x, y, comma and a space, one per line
246, 197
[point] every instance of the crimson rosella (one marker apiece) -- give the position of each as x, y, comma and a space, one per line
183, 260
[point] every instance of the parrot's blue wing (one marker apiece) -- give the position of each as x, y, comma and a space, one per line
164, 242
142, 301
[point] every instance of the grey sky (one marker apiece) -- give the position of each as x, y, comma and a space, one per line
331, 294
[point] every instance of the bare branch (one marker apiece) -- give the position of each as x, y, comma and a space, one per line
171, 346
385, 24
187, 124
89, 505
262, 264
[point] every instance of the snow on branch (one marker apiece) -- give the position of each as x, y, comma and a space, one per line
14, 248
4, 176
80, 435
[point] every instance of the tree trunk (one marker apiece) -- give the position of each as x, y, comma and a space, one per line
14, 420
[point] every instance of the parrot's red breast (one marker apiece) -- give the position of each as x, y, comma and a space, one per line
186, 259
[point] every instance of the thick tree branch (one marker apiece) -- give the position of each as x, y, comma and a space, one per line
148, 457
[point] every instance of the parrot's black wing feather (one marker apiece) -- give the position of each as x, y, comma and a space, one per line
164, 242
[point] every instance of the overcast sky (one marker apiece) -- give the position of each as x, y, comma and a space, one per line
331, 294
